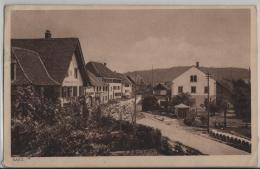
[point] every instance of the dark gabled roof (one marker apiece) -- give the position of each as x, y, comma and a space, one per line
95, 81
124, 78
30, 68
160, 86
130, 79
135, 78
100, 70
56, 54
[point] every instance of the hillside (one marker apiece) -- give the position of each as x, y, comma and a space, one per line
168, 74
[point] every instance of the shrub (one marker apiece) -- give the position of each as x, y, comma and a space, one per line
189, 119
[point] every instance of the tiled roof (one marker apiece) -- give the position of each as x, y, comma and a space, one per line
100, 70
30, 68
124, 78
95, 81
160, 86
56, 54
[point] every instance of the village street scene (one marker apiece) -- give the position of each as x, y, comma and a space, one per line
71, 100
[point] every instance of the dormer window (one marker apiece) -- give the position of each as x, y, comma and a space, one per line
193, 78
13, 71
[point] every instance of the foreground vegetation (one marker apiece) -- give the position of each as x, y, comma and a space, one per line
40, 127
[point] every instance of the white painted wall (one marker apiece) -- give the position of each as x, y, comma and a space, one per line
200, 95
112, 91
127, 91
184, 80
70, 80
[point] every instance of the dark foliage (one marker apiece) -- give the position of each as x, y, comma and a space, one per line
184, 98
150, 103
242, 99
41, 127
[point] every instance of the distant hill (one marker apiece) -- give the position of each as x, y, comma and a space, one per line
168, 74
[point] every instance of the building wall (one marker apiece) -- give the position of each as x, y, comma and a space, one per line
98, 94
115, 91
184, 81
72, 81
160, 92
127, 90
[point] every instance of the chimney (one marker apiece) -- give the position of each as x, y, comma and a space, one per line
47, 34
105, 64
197, 64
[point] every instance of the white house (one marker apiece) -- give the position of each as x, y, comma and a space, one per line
194, 82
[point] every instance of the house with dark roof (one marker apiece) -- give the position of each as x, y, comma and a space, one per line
27, 68
50, 61
162, 94
98, 90
108, 76
127, 86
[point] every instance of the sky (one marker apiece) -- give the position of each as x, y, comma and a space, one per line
129, 40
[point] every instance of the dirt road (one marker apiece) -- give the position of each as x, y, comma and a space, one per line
171, 129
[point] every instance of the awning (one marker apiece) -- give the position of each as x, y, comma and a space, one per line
182, 106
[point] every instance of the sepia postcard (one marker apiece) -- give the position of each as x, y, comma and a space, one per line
130, 86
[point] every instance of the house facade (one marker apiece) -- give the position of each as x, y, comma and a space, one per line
72, 85
97, 92
61, 59
127, 86
194, 82
162, 93
109, 77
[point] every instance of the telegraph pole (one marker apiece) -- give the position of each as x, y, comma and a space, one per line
208, 77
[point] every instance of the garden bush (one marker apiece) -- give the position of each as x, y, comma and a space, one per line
40, 127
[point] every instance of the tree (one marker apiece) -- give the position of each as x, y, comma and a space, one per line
150, 103
242, 99
184, 98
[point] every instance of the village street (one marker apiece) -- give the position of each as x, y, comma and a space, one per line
171, 129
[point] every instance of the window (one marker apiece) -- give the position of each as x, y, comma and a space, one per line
127, 85
76, 73
193, 89
70, 92
206, 89
193, 78
75, 91
180, 89
64, 91
13, 71
117, 94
